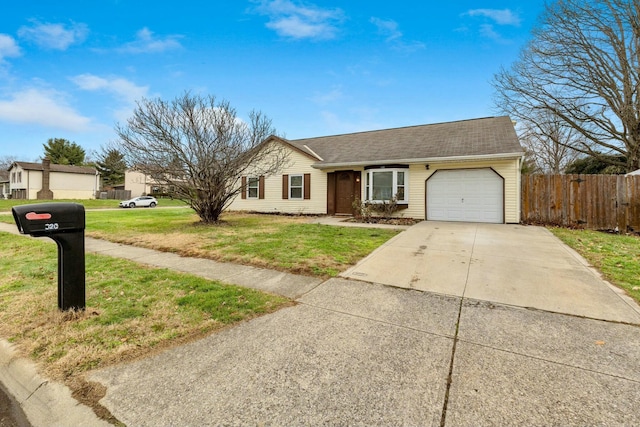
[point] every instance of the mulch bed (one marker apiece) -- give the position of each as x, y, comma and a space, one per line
388, 221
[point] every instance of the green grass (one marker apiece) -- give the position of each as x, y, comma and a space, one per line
286, 243
131, 309
616, 256
278, 242
5, 205
293, 246
141, 220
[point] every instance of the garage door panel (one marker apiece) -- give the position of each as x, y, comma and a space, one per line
473, 195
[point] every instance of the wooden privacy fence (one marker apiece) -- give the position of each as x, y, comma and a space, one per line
115, 194
599, 202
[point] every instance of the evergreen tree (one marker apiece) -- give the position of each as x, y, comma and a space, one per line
111, 165
63, 152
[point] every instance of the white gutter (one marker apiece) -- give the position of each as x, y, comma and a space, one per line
419, 160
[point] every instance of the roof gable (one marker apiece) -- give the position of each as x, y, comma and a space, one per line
302, 149
477, 137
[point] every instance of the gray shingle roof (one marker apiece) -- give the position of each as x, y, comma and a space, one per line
477, 137
87, 170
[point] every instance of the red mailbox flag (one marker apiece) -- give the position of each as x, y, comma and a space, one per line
35, 216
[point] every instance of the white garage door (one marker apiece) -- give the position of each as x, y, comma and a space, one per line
472, 195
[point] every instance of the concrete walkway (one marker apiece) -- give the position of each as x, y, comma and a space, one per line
419, 352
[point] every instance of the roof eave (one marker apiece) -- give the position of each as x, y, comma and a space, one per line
501, 156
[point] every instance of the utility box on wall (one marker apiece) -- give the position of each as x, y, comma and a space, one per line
65, 224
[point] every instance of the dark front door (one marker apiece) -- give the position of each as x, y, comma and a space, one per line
345, 194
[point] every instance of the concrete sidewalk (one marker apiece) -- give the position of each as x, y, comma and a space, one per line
357, 353
277, 282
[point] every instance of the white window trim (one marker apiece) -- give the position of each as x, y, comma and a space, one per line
301, 187
369, 182
257, 187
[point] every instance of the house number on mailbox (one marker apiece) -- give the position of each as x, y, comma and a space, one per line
52, 226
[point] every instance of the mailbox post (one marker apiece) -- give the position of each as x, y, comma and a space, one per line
65, 224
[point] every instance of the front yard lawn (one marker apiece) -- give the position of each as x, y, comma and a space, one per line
7, 204
287, 243
616, 256
279, 242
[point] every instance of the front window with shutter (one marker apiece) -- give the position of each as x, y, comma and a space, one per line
252, 187
296, 186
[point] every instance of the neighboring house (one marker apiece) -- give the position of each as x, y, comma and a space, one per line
141, 185
459, 171
48, 181
4, 185
138, 183
635, 172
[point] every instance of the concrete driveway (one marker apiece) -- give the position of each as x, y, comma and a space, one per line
508, 264
449, 343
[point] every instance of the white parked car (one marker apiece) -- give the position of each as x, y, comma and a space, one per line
146, 201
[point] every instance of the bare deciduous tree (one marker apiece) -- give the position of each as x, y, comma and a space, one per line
548, 142
199, 148
7, 161
583, 67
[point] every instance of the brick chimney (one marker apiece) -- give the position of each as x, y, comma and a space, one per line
45, 193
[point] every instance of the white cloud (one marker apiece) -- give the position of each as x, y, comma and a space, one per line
487, 30
499, 16
389, 29
124, 90
147, 42
300, 21
8, 47
491, 18
42, 107
54, 36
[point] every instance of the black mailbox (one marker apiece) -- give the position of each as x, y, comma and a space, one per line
64, 223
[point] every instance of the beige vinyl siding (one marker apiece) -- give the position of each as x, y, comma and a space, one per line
63, 185
136, 182
508, 169
299, 164
418, 174
73, 185
32, 181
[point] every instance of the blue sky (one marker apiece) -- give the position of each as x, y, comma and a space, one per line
73, 69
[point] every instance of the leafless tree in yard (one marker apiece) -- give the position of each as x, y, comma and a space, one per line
200, 148
7, 161
548, 143
582, 66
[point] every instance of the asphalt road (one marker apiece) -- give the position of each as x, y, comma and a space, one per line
10, 413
